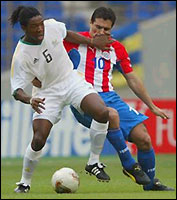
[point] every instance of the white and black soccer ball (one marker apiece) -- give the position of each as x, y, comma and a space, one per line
65, 180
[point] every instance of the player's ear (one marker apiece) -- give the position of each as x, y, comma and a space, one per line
23, 28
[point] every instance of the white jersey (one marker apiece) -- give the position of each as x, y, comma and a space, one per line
49, 61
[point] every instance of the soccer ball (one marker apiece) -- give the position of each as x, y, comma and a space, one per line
65, 180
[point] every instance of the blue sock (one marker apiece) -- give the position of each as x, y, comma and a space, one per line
116, 138
147, 161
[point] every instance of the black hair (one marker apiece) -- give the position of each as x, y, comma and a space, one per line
104, 13
23, 14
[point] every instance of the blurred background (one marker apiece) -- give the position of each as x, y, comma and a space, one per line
148, 31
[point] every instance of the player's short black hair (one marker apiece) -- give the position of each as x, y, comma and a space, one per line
104, 13
23, 14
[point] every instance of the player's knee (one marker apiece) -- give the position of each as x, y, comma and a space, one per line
113, 118
145, 144
102, 116
38, 142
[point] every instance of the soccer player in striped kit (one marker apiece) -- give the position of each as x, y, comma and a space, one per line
96, 66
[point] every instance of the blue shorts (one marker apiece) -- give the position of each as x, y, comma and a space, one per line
129, 117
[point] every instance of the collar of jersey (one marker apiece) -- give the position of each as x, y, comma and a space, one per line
24, 42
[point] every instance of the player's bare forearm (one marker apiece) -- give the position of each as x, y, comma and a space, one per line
100, 41
138, 88
20, 95
36, 103
76, 38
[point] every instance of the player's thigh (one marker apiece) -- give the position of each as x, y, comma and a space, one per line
53, 106
92, 104
85, 99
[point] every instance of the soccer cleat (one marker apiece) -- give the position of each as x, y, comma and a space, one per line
22, 188
137, 175
158, 186
97, 170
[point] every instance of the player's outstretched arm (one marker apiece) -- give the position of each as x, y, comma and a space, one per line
99, 42
138, 88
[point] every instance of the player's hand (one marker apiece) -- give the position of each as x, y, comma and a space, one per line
159, 112
36, 82
101, 42
37, 104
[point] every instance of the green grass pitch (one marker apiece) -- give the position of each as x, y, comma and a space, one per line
120, 186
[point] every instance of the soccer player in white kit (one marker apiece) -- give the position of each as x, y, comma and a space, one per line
40, 54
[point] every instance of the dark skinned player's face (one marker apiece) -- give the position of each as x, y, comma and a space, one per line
34, 31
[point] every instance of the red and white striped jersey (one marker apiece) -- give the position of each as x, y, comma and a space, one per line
97, 65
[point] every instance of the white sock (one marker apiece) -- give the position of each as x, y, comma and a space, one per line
98, 132
30, 161
94, 158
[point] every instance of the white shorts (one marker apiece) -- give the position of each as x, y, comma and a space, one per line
71, 91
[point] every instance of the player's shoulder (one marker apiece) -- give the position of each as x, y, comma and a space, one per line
22, 54
20, 60
117, 44
52, 22
20, 50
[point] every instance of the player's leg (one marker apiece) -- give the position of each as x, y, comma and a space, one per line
93, 161
131, 123
42, 124
146, 156
116, 138
41, 129
95, 107
85, 99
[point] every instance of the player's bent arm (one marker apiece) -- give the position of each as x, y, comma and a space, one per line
20, 95
36, 103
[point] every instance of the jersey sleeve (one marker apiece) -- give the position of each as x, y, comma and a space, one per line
20, 77
123, 59
69, 46
58, 27
62, 29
